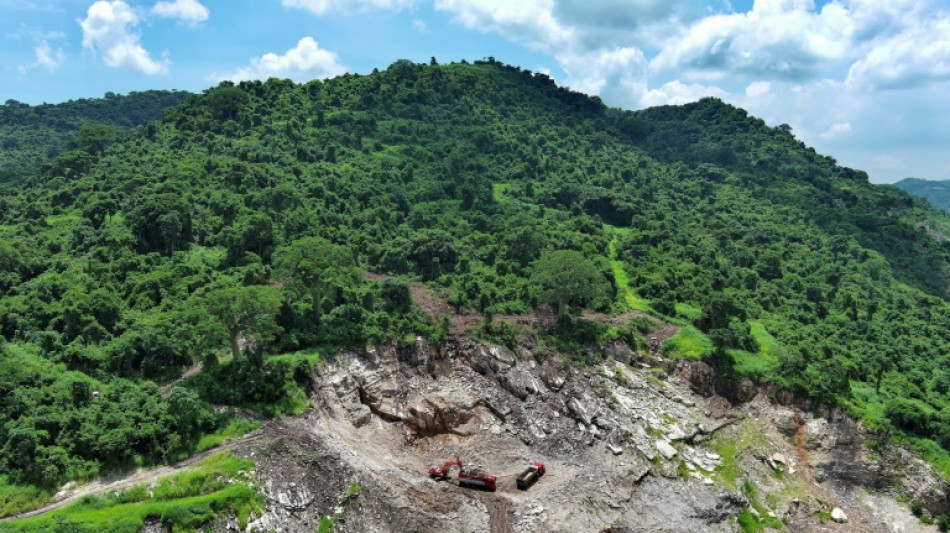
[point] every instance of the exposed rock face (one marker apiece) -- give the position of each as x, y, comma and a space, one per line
623, 444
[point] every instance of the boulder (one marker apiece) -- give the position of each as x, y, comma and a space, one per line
666, 449
838, 515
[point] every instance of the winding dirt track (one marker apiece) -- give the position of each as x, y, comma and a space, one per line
123, 481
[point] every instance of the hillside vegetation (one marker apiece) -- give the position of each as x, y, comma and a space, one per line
30, 135
243, 222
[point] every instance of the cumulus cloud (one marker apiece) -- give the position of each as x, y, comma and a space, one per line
304, 62
531, 22
46, 57
778, 38
886, 44
677, 93
757, 88
188, 11
603, 69
841, 129
109, 29
616, 73
321, 7
919, 55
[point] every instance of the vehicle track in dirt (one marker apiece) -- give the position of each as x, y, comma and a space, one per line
121, 481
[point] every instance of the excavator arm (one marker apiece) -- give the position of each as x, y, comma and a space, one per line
443, 471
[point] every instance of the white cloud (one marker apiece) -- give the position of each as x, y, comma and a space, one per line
841, 129
419, 25
886, 44
321, 7
531, 22
109, 29
757, 88
919, 55
590, 68
46, 57
780, 38
678, 93
188, 11
304, 62
615, 73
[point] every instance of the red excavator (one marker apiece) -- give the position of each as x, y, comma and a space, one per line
442, 472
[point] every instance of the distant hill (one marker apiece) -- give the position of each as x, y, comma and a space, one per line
936, 192
33, 134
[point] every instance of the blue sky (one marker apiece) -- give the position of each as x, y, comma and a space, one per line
865, 81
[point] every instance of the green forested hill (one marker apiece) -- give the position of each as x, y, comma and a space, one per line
33, 134
936, 192
248, 213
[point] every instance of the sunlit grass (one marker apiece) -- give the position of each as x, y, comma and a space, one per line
237, 427
183, 502
688, 343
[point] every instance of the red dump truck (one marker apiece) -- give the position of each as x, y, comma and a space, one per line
529, 476
476, 479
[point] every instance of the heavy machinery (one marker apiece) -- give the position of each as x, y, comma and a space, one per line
442, 472
467, 478
476, 479
529, 476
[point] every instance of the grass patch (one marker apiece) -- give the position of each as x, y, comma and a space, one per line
688, 312
931, 452
752, 494
748, 523
688, 343
499, 192
311, 355
326, 525
763, 365
393, 153
237, 427
183, 502
867, 404
755, 366
626, 299
747, 437
18, 498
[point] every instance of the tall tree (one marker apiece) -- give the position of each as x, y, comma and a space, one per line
249, 310
315, 268
566, 277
